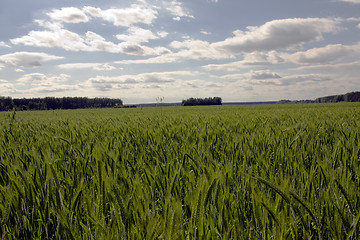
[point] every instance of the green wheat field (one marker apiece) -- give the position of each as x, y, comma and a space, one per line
217, 172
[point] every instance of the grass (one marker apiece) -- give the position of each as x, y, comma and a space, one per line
228, 172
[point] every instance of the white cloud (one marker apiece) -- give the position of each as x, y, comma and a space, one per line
39, 83
188, 50
353, 19
205, 32
249, 60
137, 35
61, 38
176, 9
27, 59
124, 16
97, 43
327, 54
94, 66
54, 26
6, 88
67, 40
69, 15
162, 34
143, 80
91, 42
278, 34
40, 79
3, 44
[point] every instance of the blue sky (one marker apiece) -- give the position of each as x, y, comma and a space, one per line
255, 50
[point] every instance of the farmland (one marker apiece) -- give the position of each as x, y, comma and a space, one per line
238, 172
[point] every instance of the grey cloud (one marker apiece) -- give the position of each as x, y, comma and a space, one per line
26, 59
133, 49
290, 80
69, 15
154, 79
213, 85
260, 75
352, 66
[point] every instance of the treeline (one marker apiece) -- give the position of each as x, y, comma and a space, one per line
295, 101
52, 103
202, 101
348, 97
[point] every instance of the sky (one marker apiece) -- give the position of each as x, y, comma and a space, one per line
143, 50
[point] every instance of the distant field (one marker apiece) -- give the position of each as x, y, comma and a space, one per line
238, 172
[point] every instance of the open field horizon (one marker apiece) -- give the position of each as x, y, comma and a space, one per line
229, 172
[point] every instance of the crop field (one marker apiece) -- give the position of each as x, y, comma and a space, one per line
217, 172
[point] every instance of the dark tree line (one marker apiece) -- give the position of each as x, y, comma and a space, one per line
52, 103
348, 97
202, 101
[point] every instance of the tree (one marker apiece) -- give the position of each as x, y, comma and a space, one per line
202, 101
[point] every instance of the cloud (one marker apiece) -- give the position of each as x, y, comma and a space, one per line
95, 42
39, 83
138, 35
162, 34
40, 79
272, 78
69, 15
261, 75
340, 67
278, 34
3, 44
249, 59
327, 54
91, 42
187, 50
350, 1
137, 49
67, 40
26, 59
51, 89
143, 80
176, 9
94, 66
124, 16
6, 88
61, 38
205, 32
